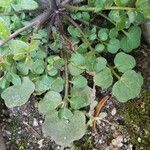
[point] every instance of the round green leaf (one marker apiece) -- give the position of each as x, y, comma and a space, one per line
100, 64
43, 84
73, 31
74, 70
104, 78
23, 68
103, 34
63, 131
65, 113
113, 33
113, 45
128, 87
38, 66
18, 95
132, 39
58, 85
79, 81
52, 71
99, 47
78, 102
18, 46
77, 59
86, 93
124, 62
25, 5
50, 102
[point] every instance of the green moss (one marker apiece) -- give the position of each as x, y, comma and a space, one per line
84, 144
137, 119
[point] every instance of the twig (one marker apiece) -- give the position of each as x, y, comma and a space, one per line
38, 135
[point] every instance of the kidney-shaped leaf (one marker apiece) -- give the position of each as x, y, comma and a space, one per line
104, 78
132, 39
124, 62
25, 5
64, 131
18, 95
79, 81
113, 45
101, 63
78, 102
50, 102
128, 87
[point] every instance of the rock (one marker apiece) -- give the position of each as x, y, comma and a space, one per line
102, 115
35, 122
113, 112
118, 141
139, 139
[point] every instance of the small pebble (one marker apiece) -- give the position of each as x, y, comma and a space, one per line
139, 139
35, 122
103, 115
100, 141
113, 112
118, 141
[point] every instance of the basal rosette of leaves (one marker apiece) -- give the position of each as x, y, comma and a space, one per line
59, 50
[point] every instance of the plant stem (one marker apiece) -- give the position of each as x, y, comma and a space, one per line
66, 77
107, 18
85, 40
114, 73
94, 9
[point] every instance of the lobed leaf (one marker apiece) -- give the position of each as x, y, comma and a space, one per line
124, 62
18, 95
50, 102
104, 78
128, 87
64, 131
132, 39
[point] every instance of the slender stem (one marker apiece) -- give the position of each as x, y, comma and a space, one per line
85, 40
114, 73
94, 9
66, 77
107, 18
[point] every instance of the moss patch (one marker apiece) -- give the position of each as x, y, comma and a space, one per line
137, 118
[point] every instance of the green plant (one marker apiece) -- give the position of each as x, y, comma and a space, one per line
66, 60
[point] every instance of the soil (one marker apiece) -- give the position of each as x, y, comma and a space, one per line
21, 126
